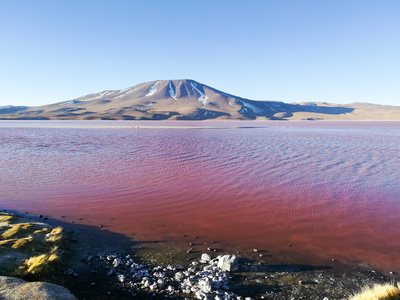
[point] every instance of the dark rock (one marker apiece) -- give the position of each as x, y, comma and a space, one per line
69, 272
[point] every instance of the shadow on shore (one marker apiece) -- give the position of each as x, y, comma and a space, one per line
80, 246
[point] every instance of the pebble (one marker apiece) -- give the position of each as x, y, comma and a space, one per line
68, 272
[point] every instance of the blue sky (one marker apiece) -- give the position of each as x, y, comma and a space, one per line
339, 51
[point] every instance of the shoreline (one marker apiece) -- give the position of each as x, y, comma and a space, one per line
172, 124
252, 279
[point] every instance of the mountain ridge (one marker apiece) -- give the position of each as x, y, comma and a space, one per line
187, 99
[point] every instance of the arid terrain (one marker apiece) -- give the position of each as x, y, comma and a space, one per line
190, 100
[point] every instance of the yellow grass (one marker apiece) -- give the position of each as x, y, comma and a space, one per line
378, 292
15, 229
55, 235
21, 242
5, 242
57, 230
53, 257
44, 230
36, 263
5, 218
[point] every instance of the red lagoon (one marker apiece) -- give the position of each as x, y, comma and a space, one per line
328, 189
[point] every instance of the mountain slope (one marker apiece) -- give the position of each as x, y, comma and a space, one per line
189, 100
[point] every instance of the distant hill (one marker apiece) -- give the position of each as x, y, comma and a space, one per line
190, 100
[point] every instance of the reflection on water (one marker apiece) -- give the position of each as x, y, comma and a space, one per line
330, 189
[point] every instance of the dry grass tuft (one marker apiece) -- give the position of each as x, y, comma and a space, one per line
21, 242
57, 230
379, 292
15, 229
55, 235
37, 264
5, 242
53, 254
5, 218
41, 231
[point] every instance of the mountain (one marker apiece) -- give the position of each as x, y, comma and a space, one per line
191, 100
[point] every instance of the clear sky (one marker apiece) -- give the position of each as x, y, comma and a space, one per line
338, 51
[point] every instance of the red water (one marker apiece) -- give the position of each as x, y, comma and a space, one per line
330, 189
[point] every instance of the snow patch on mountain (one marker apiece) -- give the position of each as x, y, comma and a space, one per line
255, 109
172, 91
153, 89
127, 89
203, 98
126, 92
97, 97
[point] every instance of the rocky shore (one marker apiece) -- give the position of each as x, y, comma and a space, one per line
93, 265
205, 278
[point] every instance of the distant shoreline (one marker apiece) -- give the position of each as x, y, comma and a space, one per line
172, 124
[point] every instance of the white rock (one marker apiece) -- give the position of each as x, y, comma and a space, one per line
228, 263
208, 268
160, 283
121, 278
200, 295
178, 276
116, 262
146, 283
205, 285
205, 257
